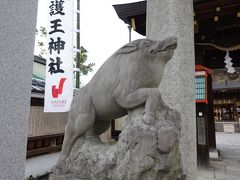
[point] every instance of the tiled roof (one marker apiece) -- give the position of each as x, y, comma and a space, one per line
38, 83
38, 86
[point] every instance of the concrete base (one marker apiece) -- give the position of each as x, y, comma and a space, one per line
213, 154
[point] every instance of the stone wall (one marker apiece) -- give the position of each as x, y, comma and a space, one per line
41, 123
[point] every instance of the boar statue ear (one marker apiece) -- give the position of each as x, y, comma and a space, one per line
128, 48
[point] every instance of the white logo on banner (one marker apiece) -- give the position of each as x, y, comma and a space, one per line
59, 64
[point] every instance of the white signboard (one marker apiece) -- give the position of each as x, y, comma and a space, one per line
59, 64
228, 128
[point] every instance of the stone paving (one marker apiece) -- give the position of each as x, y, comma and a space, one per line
228, 144
228, 168
40, 165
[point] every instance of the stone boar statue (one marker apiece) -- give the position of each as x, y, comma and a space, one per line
129, 78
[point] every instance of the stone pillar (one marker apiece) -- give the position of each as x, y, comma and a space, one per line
175, 17
17, 33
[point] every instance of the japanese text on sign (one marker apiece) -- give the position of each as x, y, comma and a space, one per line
59, 66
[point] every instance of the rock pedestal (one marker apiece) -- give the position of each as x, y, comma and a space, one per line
143, 151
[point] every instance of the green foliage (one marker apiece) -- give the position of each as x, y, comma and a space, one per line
42, 33
84, 68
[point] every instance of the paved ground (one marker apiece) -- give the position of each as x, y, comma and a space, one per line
40, 165
228, 168
228, 144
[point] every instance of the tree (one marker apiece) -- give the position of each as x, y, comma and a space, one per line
84, 68
41, 39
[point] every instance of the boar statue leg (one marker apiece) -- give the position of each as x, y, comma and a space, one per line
81, 118
150, 96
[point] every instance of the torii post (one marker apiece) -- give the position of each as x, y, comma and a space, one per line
168, 18
17, 34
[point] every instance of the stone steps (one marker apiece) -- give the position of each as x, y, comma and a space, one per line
230, 152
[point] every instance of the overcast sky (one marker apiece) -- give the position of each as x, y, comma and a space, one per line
102, 32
